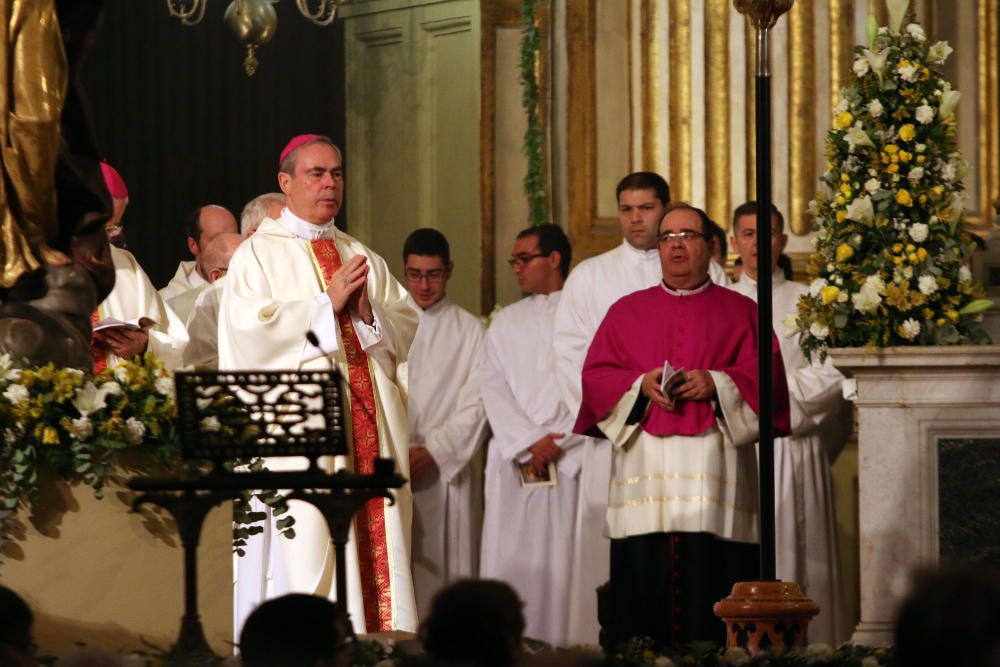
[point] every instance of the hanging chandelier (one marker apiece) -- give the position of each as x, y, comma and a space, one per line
254, 22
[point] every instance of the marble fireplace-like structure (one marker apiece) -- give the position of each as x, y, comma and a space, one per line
929, 466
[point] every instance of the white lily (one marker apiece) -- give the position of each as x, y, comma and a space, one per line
862, 210
897, 12
949, 100
857, 137
877, 60
89, 399
939, 52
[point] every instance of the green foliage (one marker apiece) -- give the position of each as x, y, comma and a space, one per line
79, 426
891, 249
534, 137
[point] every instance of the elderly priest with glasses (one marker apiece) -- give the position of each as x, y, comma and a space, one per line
671, 380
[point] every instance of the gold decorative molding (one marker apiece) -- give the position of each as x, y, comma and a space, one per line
498, 14
680, 100
717, 108
841, 45
651, 13
801, 116
989, 119
589, 233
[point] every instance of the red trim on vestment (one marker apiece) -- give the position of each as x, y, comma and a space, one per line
369, 523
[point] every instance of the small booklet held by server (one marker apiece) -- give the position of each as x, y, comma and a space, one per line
529, 478
129, 325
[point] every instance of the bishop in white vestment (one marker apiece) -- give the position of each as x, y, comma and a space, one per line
301, 274
447, 422
805, 525
528, 532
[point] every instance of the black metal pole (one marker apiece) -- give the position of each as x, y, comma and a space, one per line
762, 100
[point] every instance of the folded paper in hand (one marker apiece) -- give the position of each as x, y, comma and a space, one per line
670, 380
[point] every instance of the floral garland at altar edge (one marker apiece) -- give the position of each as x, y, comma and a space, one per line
891, 249
74, 424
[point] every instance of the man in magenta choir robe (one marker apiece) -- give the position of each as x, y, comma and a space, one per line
682, 507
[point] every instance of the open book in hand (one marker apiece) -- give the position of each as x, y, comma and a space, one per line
670, 381
131, 325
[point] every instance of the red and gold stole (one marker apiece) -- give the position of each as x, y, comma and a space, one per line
98, 351
369, 522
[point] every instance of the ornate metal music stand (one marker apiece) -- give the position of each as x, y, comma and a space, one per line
225, 417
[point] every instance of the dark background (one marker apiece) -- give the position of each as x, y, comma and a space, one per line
176, 114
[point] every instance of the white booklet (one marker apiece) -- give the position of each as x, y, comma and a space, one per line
529, 478
671, 380
131, 325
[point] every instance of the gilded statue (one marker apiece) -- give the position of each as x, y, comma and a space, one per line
54, 259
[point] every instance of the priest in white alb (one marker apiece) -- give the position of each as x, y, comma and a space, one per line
202, 321
300, 274
590, 289
202, 225
805, 526
529, 527
447, 422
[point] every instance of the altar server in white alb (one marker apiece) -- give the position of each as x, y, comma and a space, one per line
300, 274
152, 325
805, 526
528, 531
591, 288
447, 422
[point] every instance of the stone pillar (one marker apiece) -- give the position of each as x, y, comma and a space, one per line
914, 402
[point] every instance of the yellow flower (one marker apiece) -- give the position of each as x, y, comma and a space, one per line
941, 321
921, 159
903, 197
897, 260
910, 247
846, 189
904, 156
829, 294
922, 254
937, 191
922, 199
839, 200
897, 247
912, 257
844, 252
891, 149
952, 314
895, 158
907, 132
893, 168
928, 313
843, 120
50, 436
845, 177
841, 215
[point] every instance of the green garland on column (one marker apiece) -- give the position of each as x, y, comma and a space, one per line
534, 137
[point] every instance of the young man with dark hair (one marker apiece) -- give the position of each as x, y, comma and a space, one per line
532, 460
806, 528
447, 421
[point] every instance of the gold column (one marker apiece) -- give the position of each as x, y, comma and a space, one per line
989, 93
650, 17
717, 110
680, 100
801, 115
841, 48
